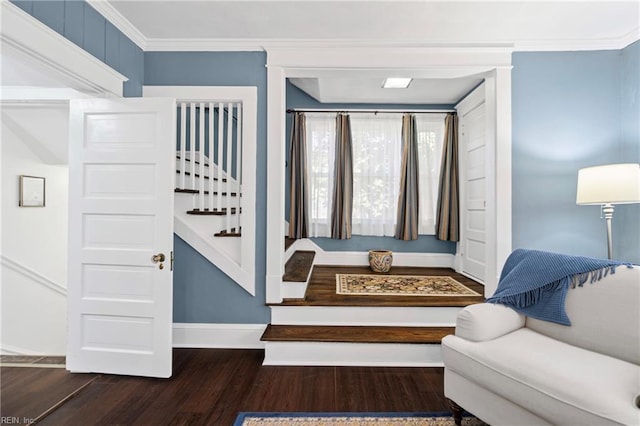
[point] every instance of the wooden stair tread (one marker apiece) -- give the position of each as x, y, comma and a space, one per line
213, 212
205, 177
298, 266
288, 242
355, 334
232, 233
195, 191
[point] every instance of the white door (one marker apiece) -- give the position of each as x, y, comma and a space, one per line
473, 171
121, 181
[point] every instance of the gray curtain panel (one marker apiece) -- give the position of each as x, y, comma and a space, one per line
408, 205
342, 205
298, 209
447, 217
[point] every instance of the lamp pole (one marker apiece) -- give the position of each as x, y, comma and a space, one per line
607, 210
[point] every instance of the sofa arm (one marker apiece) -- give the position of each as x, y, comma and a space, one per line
486, 321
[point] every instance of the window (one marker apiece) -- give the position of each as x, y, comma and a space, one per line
377, 150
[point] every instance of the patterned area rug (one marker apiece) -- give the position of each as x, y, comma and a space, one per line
352, 419
401, 285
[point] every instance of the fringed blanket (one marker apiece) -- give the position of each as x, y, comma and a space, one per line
535, 283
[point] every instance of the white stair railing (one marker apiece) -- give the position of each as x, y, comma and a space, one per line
210, 176
217, 150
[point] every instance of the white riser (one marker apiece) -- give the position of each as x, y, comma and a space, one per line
355, 315
352, 354
294, 290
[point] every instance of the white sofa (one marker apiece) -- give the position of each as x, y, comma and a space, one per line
508, 369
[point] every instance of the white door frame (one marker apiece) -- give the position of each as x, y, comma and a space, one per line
426, 62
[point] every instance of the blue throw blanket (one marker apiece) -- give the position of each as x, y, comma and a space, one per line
535, 283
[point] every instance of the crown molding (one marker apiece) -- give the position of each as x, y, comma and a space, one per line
256, 45
576, 45
111, 14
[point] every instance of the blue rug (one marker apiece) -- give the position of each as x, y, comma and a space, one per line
352, 419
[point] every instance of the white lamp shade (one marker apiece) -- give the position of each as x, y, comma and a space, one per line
610, 184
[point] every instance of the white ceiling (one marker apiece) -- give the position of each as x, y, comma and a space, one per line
525, 24
253, 25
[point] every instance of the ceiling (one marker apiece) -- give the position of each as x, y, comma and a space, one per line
525, 24
253, 25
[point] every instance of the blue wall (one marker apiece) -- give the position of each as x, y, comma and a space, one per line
80, 23
202, 293
296, 98
627, 218
568, 114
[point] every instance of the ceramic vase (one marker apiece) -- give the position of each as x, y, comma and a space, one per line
380, 260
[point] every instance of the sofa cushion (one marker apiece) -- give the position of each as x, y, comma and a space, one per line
558, 382
605, 316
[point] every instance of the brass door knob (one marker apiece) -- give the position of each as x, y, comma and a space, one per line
157, 258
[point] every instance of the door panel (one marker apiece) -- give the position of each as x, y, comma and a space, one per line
121, 174
473, 214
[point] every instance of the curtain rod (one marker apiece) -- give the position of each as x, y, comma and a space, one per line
375, 111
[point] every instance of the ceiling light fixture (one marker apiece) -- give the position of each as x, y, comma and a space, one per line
396, 83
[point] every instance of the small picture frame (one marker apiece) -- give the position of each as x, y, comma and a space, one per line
32, 190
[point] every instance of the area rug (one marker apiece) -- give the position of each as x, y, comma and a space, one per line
400, 285
352, 419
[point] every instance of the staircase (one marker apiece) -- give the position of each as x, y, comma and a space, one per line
321, 327
214, 210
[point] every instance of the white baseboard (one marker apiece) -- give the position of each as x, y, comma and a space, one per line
353, 354
361, 258
230, 336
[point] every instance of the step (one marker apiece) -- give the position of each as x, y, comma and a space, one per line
288, 242
400, 316
196, 191
355, 334
354, 346
214, 212
198, 176
231, 233
298, 267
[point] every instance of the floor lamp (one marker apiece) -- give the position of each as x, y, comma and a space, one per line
606, 186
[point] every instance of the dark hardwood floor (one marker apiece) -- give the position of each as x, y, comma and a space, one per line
321, 290
209, 387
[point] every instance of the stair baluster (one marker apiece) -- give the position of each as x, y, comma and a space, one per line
201, 158
183, 145
220, 152
238, 164
211, 151
227, 185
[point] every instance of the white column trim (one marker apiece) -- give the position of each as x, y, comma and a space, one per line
276, 98
503, 189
